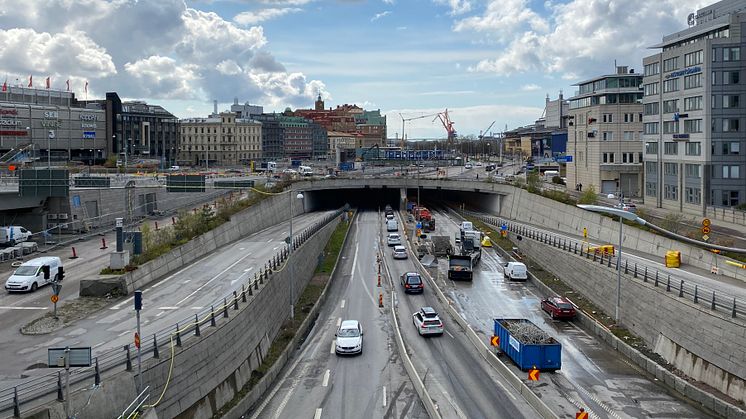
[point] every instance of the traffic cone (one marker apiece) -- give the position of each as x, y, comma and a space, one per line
380, 300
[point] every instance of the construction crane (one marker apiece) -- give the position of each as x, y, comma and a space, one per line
403, 120
448, 125
483, 133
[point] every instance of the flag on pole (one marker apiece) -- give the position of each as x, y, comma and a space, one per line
48, 81
31, 81
86, 90
68, 85
5, 84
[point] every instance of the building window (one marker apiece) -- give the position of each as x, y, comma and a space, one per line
731, 148
730, 124
650, 127
670, 85
692, 170
731, 172
608, 118
693, 103
730, 198
731, 77
628, 157
651, 189
651, 148
608, 157
607, 135
650, 89
670, 169
713, 78
671, 64
651, 108
693, 58
671, 127
670, 192
651, 168
670, 106
693, 149
693, 196
693, 81
670, 148
693, 125
629, 135
652, 69
731, 101
732, 54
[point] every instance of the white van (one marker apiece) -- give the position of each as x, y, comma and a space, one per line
305, 170
11, 235
550, 174
515, 271
392, 225
30, 275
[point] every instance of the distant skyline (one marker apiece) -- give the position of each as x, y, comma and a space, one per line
484, 60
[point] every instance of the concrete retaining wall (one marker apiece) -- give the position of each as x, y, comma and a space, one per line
682, 332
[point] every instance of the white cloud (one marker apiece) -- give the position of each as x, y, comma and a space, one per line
580, 39
531, 87
380, 15
401, 28
210, 38
228, 67
446, 93
285, 2
252, 18
293, 88
389, 1
458, 7
164, 77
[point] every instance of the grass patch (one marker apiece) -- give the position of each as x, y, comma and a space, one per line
289, 329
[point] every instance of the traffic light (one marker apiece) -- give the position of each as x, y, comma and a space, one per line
60, 274
45, 269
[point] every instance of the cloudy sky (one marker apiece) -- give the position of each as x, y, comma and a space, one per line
484, 60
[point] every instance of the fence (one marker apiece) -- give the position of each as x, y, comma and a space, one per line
13, 398
684, 289
729, 214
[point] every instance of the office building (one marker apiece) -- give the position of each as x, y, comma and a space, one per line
693, 115
246, 110
222, 140
604, 132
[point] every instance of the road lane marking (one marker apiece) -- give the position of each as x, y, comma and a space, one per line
124, 333
269, 241
333, 344
343, 304
384, 396
97, 345
325, 381
339, 321
21, 308
118, 306
168, 308
197, 308
246, 270
213, 278
449, 334
318, 414
186, 281
160, 313
241, 248
354, 259
170, 276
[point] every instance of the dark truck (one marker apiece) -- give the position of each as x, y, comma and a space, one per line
460, 267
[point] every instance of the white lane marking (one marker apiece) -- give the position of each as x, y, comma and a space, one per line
197, 308
241, 248
459, 413
21, 308
333, 344
339, 321
118, 306
449, 334
384, 396
124, 333
213, 278
170, 276
317, 415
269, 241
354, 259
343, 304
325, 381
160, 313
246, 270
97, 345
186, 281
168, 308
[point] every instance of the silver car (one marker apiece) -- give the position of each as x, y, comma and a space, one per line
400, 252
393, 239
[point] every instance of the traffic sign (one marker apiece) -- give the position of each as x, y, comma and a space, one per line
706, 222
533, 374
705, 230
55, 298
495, 340
585, 233
504, 233
137, 340
582, 414
11, 168
705, 237
503, 227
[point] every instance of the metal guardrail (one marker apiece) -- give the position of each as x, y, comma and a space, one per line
13, 398
702, 295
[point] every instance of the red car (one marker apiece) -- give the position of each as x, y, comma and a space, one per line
558, 308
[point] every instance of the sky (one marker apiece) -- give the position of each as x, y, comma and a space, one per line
483, 60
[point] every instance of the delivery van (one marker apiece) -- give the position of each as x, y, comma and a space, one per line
392, 225
34, 274
515, 271
11, 235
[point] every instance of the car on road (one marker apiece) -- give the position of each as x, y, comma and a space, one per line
558, 308
349, 338
468, 166
393, 239
427, 322
400, 252
389, 217
626, 206
34, 273
479, 164
412, 282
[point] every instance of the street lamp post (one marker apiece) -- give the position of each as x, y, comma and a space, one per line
290, 252
623, 215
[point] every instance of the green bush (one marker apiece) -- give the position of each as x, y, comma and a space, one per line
558, 180
533, 182
559, 196
589, 196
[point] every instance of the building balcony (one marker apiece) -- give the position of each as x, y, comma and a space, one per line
621, 167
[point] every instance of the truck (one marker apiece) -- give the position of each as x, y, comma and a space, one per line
470, 245
266, 166
527, 345
305, 170
460, 267
424, 216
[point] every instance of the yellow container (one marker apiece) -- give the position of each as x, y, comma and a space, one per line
673, 259
606, 250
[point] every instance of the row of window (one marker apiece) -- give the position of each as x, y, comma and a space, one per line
690, 82
214, 139
215, 148
693, 103
239, 130
724, 171
692, 126
627, 157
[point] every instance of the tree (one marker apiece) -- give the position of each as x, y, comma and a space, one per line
532, 182
589, 196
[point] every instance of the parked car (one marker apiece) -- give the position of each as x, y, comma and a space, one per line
626, 206
558, 307
427, 322
349, 338
515, 271
34, 274
412, 282
11, 235
393, 239
400, 252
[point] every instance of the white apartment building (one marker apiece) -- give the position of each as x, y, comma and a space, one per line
221, 140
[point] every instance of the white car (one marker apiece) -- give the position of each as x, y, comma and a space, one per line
31, 274
349, 338
400, 252
427, 322
479, 164
468, 166
393, 239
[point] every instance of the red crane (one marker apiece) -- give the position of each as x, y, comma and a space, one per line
448, 125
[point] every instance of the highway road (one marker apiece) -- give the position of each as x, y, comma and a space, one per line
319, 383
175, 298
592, 376
460, 381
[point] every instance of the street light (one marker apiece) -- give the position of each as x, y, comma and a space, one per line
290, 252
623, 215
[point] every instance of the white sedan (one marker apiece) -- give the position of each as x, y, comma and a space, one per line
400, 252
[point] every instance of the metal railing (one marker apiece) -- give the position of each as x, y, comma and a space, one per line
13, 398
699, 294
